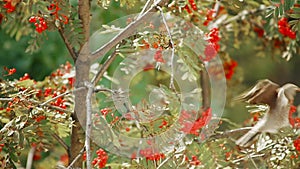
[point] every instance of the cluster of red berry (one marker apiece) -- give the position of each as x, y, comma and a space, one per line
212, 48
25, 77
105, 111
152, 155
213, 37
1, 147
284, 28
61, 72
192, 5
209, 16
10, 71
164, 123
295, 122
10, 6
194, 127
39, 23
195, 161
229, 68
146, 45
48, 92
11, 104
158, 57
60, 103
55, 8
101, 159
259, 31
297, 144
40, 118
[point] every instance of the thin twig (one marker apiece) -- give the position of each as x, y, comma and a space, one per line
145, 8
127, 31
104, 67
30, 157
51, 106
88, 124
172, 86
60, 109
242, 14
226, 120
165, 161
7, 126
251, 159
76, 158
230, 132
62, 143
99, 89
216, 8
61, 95
5, 99
68, 44
54, 98
252, 156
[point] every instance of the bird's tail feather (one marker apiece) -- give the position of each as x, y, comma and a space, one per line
247, 139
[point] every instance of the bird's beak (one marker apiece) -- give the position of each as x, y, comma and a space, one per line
298, 90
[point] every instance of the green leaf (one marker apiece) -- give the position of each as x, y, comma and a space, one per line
288, 4
281, 10
253, 3
13, 156
296, 10
25, 83
270, 13
276, 12
295, 15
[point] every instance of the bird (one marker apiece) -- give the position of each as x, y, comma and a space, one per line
278, 99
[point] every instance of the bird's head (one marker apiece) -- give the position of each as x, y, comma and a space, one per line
290, 91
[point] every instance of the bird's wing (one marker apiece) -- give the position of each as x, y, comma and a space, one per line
264, 92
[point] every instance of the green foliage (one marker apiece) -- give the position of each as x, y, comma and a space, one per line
25, 120
246, 27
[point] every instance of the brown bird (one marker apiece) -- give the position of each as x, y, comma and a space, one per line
278, 99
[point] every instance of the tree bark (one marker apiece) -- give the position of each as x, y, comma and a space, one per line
204, 81
82, 66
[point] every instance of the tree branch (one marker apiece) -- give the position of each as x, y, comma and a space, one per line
172, 86
71, 50
84, 16
88, 124
5, 99
229, 133
30, 158
248, 156
204, 81
127, 31
242, 14
82, 66
146, 6
104, 67
62, 143
76, 158
61, 95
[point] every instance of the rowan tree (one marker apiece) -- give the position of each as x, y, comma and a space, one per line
146, 90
